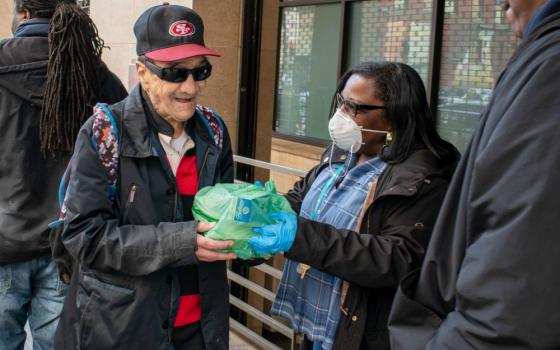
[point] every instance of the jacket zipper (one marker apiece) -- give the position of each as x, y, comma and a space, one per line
176, 198
203, 163
131, 195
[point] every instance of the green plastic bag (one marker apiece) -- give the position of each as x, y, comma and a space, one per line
237, 209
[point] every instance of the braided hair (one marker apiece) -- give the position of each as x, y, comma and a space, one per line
72, 84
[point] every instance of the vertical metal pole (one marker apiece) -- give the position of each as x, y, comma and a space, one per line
434, 67
248, 87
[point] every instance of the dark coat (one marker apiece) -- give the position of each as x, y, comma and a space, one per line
29, 182
125, 293
394, 232
490, 277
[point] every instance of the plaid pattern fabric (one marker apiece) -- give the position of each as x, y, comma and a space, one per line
312, 304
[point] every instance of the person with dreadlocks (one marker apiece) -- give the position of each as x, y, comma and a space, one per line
51, 74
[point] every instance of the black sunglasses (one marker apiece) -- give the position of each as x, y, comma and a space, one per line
179, 75
353, 107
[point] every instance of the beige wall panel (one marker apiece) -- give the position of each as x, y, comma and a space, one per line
139, 6
270, 25
6, 15
265, 111
267, 83
222, 21
222, 31
115, 20
295, 155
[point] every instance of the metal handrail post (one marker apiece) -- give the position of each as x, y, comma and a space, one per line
268, 270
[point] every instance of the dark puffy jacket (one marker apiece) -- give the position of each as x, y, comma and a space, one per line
125, 292
29, 182
395, 230
490, 277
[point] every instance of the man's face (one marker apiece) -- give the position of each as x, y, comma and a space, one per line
174, 102
519, 13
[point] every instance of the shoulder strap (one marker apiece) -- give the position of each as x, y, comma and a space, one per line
213, 123
105, 140
105, 137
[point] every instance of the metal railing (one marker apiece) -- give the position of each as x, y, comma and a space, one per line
268, 270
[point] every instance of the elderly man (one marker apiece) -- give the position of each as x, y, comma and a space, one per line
490, 276
145, 278
50, 75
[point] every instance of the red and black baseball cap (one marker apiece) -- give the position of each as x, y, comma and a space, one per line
170, 33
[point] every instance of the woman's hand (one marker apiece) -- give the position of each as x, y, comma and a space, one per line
274, 238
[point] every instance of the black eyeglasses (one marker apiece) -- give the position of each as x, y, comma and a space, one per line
179, 75
353, 108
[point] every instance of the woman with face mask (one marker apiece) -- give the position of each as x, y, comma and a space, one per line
365, 213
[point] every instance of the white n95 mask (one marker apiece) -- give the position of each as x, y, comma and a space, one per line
345, 133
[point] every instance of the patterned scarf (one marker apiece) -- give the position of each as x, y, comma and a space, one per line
312, 304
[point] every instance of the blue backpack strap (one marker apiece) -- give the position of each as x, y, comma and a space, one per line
213, 123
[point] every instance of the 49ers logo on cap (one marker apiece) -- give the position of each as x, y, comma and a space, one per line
181, 28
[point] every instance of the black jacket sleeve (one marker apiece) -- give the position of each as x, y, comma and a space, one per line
490, 277
374, 259
506, 286
92, 235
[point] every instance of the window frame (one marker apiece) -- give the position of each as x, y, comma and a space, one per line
434, 56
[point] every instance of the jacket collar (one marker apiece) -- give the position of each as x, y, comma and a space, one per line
338, 155
401, 178
549, 8
139, 121
544, 26
404, 178
33, 27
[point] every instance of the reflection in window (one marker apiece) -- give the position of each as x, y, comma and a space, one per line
307, 69
477, 44
391, 30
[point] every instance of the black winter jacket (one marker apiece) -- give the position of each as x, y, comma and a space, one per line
125, 292
395, 230
28, 181
490, 277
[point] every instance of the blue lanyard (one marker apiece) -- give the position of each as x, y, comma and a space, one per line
324, 191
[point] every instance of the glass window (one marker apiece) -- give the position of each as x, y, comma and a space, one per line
391, 31
307, 74
477, 43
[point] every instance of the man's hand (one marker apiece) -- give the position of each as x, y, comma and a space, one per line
208, 248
